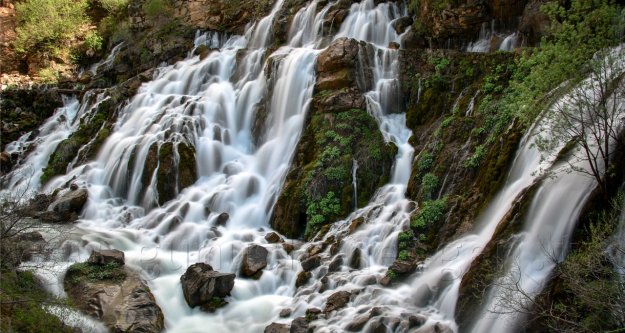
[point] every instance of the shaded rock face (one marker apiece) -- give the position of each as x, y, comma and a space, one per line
337, 300
277, 328
104, 257
254, 260
338, 132
69, 206
200, 283
534, 23
125, 305
456, 23
24, 110
175, 169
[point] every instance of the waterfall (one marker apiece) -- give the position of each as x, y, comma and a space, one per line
355, 182
217, 105
38, 147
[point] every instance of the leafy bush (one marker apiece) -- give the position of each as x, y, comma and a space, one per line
431, 212
45, 25
113, 6
429, 184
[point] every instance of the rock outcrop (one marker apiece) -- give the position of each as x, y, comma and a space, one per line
338, 132
114, 294
202, 286
254, 260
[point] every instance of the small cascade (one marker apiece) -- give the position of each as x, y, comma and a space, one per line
108, 61
355, 182
35, 149
491, 40
550, 218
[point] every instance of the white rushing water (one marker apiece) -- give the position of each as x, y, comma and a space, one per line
211, 104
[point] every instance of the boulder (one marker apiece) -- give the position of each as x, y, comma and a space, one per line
403, 266
222, 219
356, 260
277, 328
401, 24
70, 204
311, 263
302, 279
200, 283
337, 300
123, 302
104, 257
286, 312
300, 325
273, 237
254, 260
336, 264
360, 321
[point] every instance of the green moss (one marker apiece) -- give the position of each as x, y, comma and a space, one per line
89, 128
21, 303
111, 272
430, 213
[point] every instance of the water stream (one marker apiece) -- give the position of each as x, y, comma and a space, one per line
211, 105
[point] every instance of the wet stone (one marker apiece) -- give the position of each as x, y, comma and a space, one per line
104, 257
286, 312
337, 300
277, 328
254, 260
311, 263
273, 237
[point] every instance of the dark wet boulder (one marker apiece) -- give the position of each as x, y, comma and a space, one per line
302, 279
311, 263
104, 257
254, 260
200, 284
337, 300
277, 328
300, 325
69, 205
273, 237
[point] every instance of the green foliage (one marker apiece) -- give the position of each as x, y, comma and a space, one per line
93, 41
474, 160
48, 75
425, 162
405, 239
45, 25
155, 8
114, 6
21, 303
429, 184
403, 255
112, 272
391, 274
591, 287
431, 212
321, 211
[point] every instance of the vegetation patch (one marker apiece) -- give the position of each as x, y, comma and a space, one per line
110, 272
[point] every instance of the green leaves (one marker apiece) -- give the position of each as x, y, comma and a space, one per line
44, 25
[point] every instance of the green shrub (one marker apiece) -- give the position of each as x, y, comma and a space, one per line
114, 6
46, 25
429, 184
431, 212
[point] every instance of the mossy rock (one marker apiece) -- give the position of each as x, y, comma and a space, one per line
318, 189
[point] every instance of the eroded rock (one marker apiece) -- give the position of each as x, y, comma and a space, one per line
254, 260
116, 295
200, 283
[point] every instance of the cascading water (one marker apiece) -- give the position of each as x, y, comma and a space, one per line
38, 147
554, 210
211, 104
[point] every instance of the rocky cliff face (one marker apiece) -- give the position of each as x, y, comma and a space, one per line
339, 134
